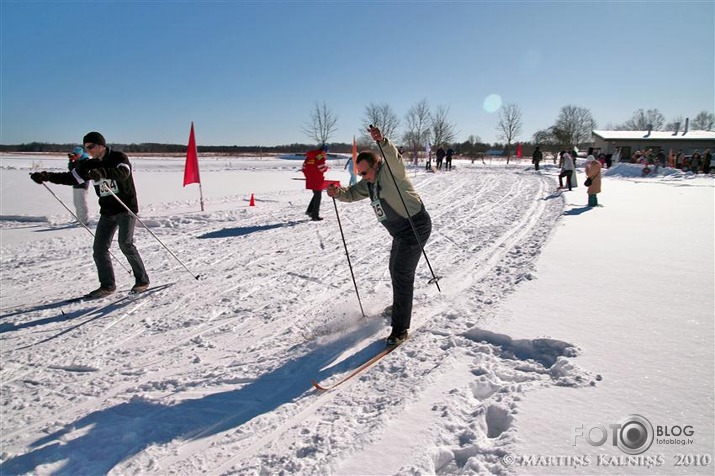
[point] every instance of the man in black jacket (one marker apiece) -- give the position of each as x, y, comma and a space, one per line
111, 174
537, 157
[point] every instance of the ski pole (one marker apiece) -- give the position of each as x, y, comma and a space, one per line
83, 225
335, 204
435, 279
105, 188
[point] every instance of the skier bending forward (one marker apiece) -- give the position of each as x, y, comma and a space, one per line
380, 188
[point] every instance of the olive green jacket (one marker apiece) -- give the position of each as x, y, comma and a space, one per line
384, 187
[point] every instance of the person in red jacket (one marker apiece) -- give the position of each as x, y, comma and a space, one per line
314, 169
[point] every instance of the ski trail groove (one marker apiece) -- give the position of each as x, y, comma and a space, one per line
309, 410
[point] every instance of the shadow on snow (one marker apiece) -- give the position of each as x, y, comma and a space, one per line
92, 313
115, 434
578, 211
247, 230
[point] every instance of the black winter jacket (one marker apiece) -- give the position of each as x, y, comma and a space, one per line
116, 173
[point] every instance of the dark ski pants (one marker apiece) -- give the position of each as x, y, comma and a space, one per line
404, 256
567, 174
107, 226
314, 205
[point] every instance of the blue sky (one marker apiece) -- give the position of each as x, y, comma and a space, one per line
249, 73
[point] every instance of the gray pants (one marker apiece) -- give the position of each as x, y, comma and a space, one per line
404, 256
80, 202
107, 226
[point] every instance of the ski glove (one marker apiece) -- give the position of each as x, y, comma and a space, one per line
95, 174
40, 177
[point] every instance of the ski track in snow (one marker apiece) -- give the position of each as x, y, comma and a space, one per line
213, 376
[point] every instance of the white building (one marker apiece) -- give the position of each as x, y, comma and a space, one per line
629, 142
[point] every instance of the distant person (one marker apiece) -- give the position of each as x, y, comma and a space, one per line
602, 159
349, 165
593, 180
695, 162
537, 157
567, 169
708, 162
616, 157
680, 160
448, 159
111, 173
314, 168
384, 193
79, 190
660, 160
648, 158
440, 157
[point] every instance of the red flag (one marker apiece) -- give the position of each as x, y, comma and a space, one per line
191, 169
518, 150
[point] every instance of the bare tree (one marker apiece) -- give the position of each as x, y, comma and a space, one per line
671, 126
703, 121
443, 132
509, 126
471, 147
472, 139
417, 124
542, 137
641, 120
546, 138
321, 124
382, 116
574, 126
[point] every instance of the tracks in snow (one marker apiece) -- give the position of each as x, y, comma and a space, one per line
231, 338
295, 435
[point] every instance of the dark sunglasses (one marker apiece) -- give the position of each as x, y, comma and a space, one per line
90, 146
362, 174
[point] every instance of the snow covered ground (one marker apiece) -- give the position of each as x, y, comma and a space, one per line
555, 323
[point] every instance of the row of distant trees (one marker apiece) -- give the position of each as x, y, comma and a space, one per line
642, 119
472, 147
422, 124
153, 148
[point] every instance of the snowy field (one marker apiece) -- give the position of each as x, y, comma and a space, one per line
555, 324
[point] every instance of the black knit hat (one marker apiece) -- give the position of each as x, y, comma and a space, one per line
94, 138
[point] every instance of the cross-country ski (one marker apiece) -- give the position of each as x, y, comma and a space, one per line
365, 365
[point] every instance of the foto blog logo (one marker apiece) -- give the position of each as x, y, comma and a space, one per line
633, 434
